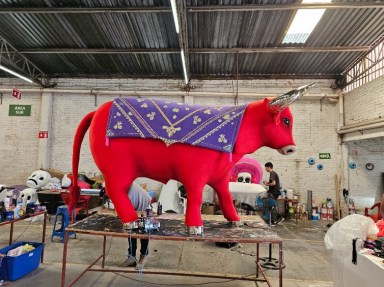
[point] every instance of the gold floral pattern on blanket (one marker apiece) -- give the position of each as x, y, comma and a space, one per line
210, 127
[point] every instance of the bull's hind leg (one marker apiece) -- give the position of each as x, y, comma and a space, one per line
117, 189
225, 200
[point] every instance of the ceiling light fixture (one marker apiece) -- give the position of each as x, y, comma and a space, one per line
304, 23
184, 67
15, 74
174, 12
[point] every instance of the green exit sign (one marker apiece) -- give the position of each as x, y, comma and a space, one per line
20, 110
324, 155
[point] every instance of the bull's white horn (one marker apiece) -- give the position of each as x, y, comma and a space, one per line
285, 100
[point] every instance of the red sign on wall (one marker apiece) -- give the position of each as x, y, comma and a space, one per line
16, 93
43, 134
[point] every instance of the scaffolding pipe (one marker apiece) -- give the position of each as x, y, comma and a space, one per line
93, 92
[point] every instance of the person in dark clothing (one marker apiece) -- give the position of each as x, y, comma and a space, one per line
274, 192
274, 181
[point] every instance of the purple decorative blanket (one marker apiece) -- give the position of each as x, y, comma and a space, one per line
210, 127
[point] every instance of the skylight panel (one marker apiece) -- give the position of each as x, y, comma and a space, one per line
304, 23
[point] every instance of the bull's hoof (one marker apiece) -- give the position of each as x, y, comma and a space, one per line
194, 230
236, 223
130, 225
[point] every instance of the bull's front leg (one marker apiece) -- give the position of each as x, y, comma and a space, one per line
118, 193
226, 202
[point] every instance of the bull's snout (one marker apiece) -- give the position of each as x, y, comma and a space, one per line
287, 149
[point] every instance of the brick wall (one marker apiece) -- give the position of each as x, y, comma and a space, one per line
18, 139
314, 127
363, 105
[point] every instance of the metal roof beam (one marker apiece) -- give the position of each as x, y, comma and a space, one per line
281, 49
84, 10
194, 9
264, 7
265, 76
199, 50
15, 61
99, 51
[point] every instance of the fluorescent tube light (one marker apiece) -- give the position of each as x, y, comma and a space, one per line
16, 74
174, 12
184, 67
304, 23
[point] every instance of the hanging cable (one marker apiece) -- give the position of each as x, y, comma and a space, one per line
236, 100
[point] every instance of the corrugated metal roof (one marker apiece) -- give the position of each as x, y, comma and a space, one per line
97, 43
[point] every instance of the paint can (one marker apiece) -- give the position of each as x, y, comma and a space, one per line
291, 211
9, 215
324, 213
315, 217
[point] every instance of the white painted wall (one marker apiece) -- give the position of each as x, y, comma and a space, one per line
314, 127
18, 139
364, 106
366, 187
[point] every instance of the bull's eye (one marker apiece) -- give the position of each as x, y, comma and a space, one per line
286, 122
240, 179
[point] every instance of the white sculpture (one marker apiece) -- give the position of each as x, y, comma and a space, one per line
29, 195
35, 182
3, 192
38, 179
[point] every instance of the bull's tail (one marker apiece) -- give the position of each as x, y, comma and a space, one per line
79, 136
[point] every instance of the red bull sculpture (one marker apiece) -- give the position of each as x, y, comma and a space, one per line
196, 145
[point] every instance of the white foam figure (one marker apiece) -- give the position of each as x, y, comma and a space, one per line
169, 197
244, 184
66, 181
244, 177
54, 184
35, 182
29, 195
38, 179
3, 192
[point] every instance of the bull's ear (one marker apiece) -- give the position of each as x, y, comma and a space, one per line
274, 109
276, 118
283, 101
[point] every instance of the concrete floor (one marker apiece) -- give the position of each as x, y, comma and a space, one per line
308, 263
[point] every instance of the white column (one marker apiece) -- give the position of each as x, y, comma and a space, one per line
188, 99
44, 160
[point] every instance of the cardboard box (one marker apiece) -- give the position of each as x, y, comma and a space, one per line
208, 209
13, 268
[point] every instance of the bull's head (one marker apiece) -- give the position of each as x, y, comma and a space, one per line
277, 107
269, 123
